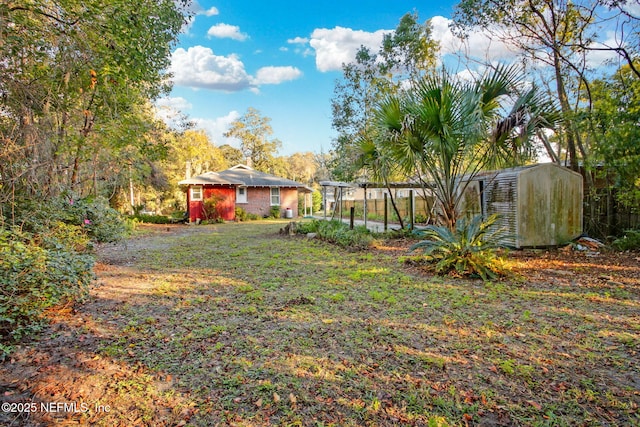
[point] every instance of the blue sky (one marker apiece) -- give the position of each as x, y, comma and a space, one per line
280, 57
283, 58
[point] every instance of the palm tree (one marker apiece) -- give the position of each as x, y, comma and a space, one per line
376, 159
442, 129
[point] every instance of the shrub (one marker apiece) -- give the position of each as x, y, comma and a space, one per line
308, 227
274, 212
421, 219
47, 260
210, 209
96, 219
241, 214
152, 219
630, 241
38, 272
338, 232
469, 250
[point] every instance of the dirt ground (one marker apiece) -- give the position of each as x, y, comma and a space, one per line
66, 364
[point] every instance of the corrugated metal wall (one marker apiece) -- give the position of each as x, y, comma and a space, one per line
501, 196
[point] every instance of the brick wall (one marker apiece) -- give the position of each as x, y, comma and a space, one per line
259, 201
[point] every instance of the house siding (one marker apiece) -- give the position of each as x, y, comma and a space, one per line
259, 201
225, 201
225, 207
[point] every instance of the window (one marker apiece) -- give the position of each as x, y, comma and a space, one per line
196, 194
241, 194
275, 196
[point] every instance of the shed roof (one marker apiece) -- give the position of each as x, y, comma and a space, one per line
242, 175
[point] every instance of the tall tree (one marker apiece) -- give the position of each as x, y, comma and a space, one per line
611, 127
77, 80
406, 53
254, 131
558, 34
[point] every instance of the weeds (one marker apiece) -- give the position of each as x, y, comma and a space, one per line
339, 233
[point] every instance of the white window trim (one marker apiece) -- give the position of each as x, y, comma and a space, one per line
271, 195
239, 198
199, 191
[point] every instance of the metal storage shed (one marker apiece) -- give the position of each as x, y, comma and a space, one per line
540, 205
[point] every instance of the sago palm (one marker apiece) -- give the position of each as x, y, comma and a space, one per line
469, 249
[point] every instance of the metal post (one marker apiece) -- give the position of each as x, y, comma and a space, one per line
386, 215
364, 206
352, 215
324, 189
411, 210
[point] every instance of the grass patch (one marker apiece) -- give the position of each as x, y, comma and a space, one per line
327, 336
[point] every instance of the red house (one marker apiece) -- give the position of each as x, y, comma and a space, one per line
217, 194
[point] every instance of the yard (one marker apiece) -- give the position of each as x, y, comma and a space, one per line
235, 325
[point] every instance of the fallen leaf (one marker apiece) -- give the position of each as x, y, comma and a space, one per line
292, 399
259, 403
534, 404
276, 397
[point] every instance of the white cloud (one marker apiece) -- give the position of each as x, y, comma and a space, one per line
196, 9
210, 12
479, 44
217, 127
174, 103
226, 31
339, 45
276, 75
199, 67
597, 58
298, 40
172, 111
632, 7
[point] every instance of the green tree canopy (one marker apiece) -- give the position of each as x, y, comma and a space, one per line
77, 78
254, 131
408, 52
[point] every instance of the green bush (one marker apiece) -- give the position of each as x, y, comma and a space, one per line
629, 242
274, 212
308, 227
38, 272
46, 258
95, 218
241, 214
152, 219
338, 232
470, 250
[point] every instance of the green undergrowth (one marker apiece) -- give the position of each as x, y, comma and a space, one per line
46, 258
339, 233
